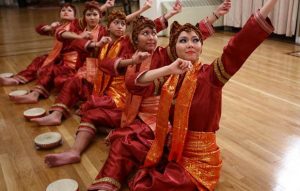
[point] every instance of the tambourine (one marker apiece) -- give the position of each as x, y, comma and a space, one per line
18, 93
34, 113
6, 75
63, 185
48, 140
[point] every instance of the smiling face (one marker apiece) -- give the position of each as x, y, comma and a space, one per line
188, 46
67, 13
117, 27
92, 17
147, 39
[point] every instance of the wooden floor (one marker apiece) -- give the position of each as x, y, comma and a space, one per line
260, 127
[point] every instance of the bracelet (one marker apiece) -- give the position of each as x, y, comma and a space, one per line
215, 15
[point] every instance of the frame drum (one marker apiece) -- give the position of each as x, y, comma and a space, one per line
63, 185
34, 113
18, 93
6, 75
48, 140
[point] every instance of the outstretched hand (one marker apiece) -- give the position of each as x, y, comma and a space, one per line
180, 66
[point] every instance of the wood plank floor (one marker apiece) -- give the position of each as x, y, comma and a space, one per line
260, 126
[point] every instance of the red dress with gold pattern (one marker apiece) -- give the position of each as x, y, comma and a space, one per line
191, 160
62, 64
80, 86
143, 113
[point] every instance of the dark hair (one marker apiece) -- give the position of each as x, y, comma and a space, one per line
68, 5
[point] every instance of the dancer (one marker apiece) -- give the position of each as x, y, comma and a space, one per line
129, 145
80, 87
104, 108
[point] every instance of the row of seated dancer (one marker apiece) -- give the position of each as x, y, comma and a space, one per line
122, 78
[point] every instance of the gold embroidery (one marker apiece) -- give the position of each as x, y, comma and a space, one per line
62, 106
222, 69
109, 180
88, 125
218, 73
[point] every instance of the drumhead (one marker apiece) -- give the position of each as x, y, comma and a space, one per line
6, 75
37, 111
47, 138
63, 185
18, 93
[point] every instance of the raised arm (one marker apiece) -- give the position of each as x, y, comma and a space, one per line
137, 13
108, 4
253, 33
267, 8
176, 9
220, 11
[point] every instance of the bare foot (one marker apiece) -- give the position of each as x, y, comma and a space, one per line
68, 157
32, 97
8, 81
52, 119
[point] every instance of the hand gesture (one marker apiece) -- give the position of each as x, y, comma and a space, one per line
180, 66
223, 8
54, 24
139, 57
147, 5
109, 3
104, 40
176, 7
86, 35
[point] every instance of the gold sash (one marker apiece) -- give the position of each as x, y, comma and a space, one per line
133, 102
57, 47
181, 115
102, 80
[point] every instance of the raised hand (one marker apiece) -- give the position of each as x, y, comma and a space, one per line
147, 5
180, 66
177, 7
223, 8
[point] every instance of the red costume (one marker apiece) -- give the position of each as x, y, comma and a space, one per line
106, 105
184, 157
31, 72
62, 63
80, 86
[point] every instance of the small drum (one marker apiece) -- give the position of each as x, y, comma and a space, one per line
34, 113
63, 185
6, 75
48, 140
18, 93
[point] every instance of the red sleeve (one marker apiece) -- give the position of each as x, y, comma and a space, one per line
255, 31
74, 27
160, 24
206, 29
110, 66
159, 59
80, 44
39, 29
